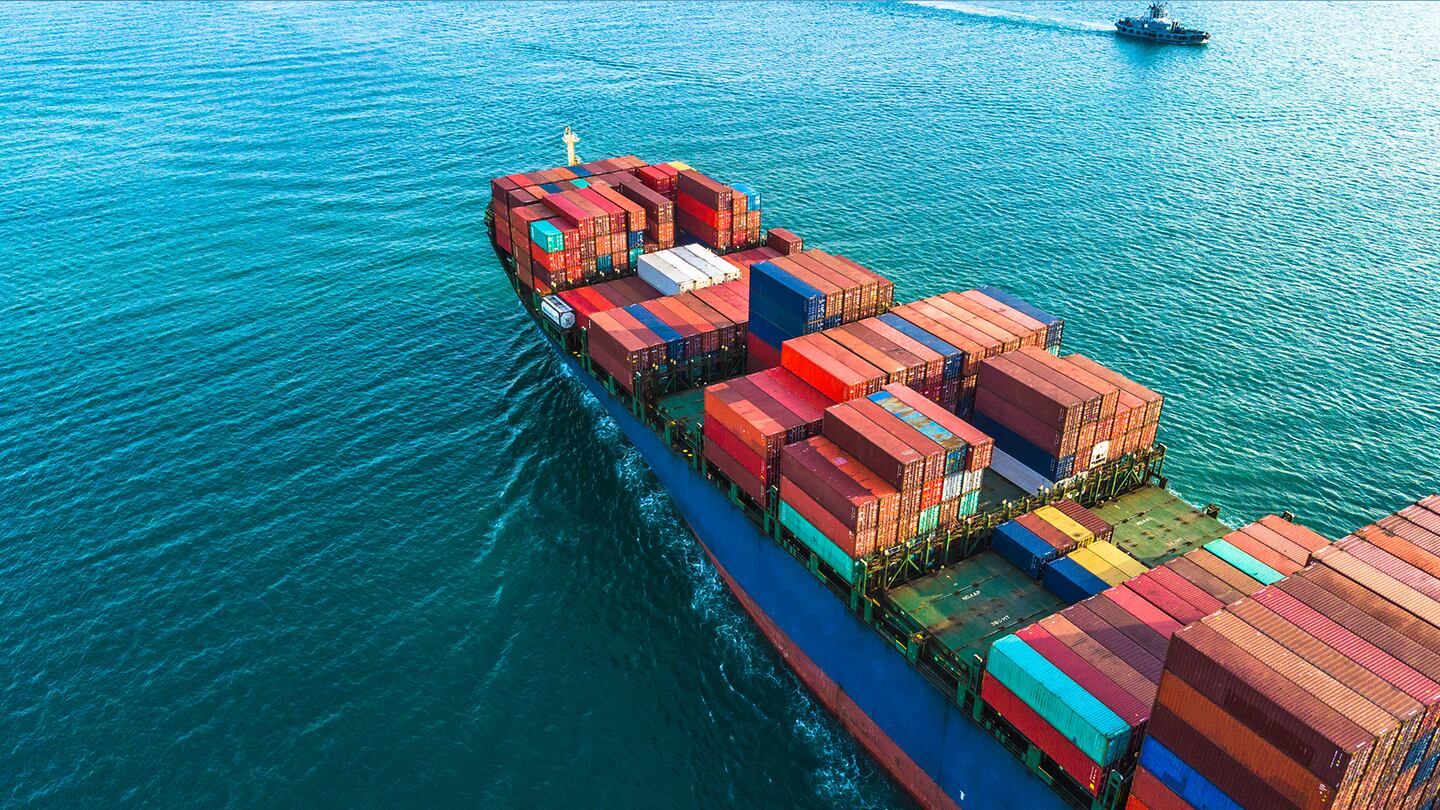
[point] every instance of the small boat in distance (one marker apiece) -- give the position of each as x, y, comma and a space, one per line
1157, 26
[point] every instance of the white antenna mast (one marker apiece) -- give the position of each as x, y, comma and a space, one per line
571, 139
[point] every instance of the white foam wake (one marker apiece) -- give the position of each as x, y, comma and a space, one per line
1014, 16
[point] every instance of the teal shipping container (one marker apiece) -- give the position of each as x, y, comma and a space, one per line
547, 236
1097, 731
1252, 567
816, 541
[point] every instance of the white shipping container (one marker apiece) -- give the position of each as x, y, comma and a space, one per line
954, 486
718, 266
972, 480
659, 273
676, 259
697, 265
1101, 453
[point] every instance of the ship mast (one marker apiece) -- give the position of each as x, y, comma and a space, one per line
571, 139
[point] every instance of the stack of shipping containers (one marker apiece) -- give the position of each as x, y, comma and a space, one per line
749, 419
1082, 683
721, 217
571, 225
803, 293
884, 468
1268, 668
1061, 416
1320, 690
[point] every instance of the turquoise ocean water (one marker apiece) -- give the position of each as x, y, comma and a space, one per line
295, 512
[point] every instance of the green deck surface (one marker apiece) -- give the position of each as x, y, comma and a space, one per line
686, 407
967, 606
1155, 526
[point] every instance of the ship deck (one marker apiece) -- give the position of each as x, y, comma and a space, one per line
1155, 525
967, 606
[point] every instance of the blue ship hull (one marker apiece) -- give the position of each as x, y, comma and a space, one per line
914, 731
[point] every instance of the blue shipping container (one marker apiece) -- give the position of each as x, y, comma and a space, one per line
768, 281
580, 171
674, 342
1186, 782
752, 197
547, 236
785, 320
1070, 581
634, 239
768, 332
954, 358
1018, 448
1022, 547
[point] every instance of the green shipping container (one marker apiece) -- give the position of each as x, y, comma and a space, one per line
1241, 559
1082, 719
547, 236
929, 519
970, 504
816, 541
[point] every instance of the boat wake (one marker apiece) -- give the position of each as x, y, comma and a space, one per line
1063, 23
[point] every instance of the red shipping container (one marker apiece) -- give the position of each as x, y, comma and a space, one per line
1148, 638
822, 477
732, 469
1044, 736
1225, 572
1098, 656
1294, 532
933, 476
1213, 763
1167, 600
1092, 680
1249, 749
1043, 529
1114, 639
1153, 794
813, 360
1137, 606
736, 449
1187, 571
794, 393
1289, 716
784, 241
855, 544
1102, 530
897, 463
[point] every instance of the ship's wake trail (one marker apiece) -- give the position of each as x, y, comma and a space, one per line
1065, 23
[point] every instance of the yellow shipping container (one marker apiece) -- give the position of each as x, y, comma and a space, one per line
1112, 554
1092, 562
1066, 524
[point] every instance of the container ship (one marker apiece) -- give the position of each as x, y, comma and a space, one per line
959, 535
